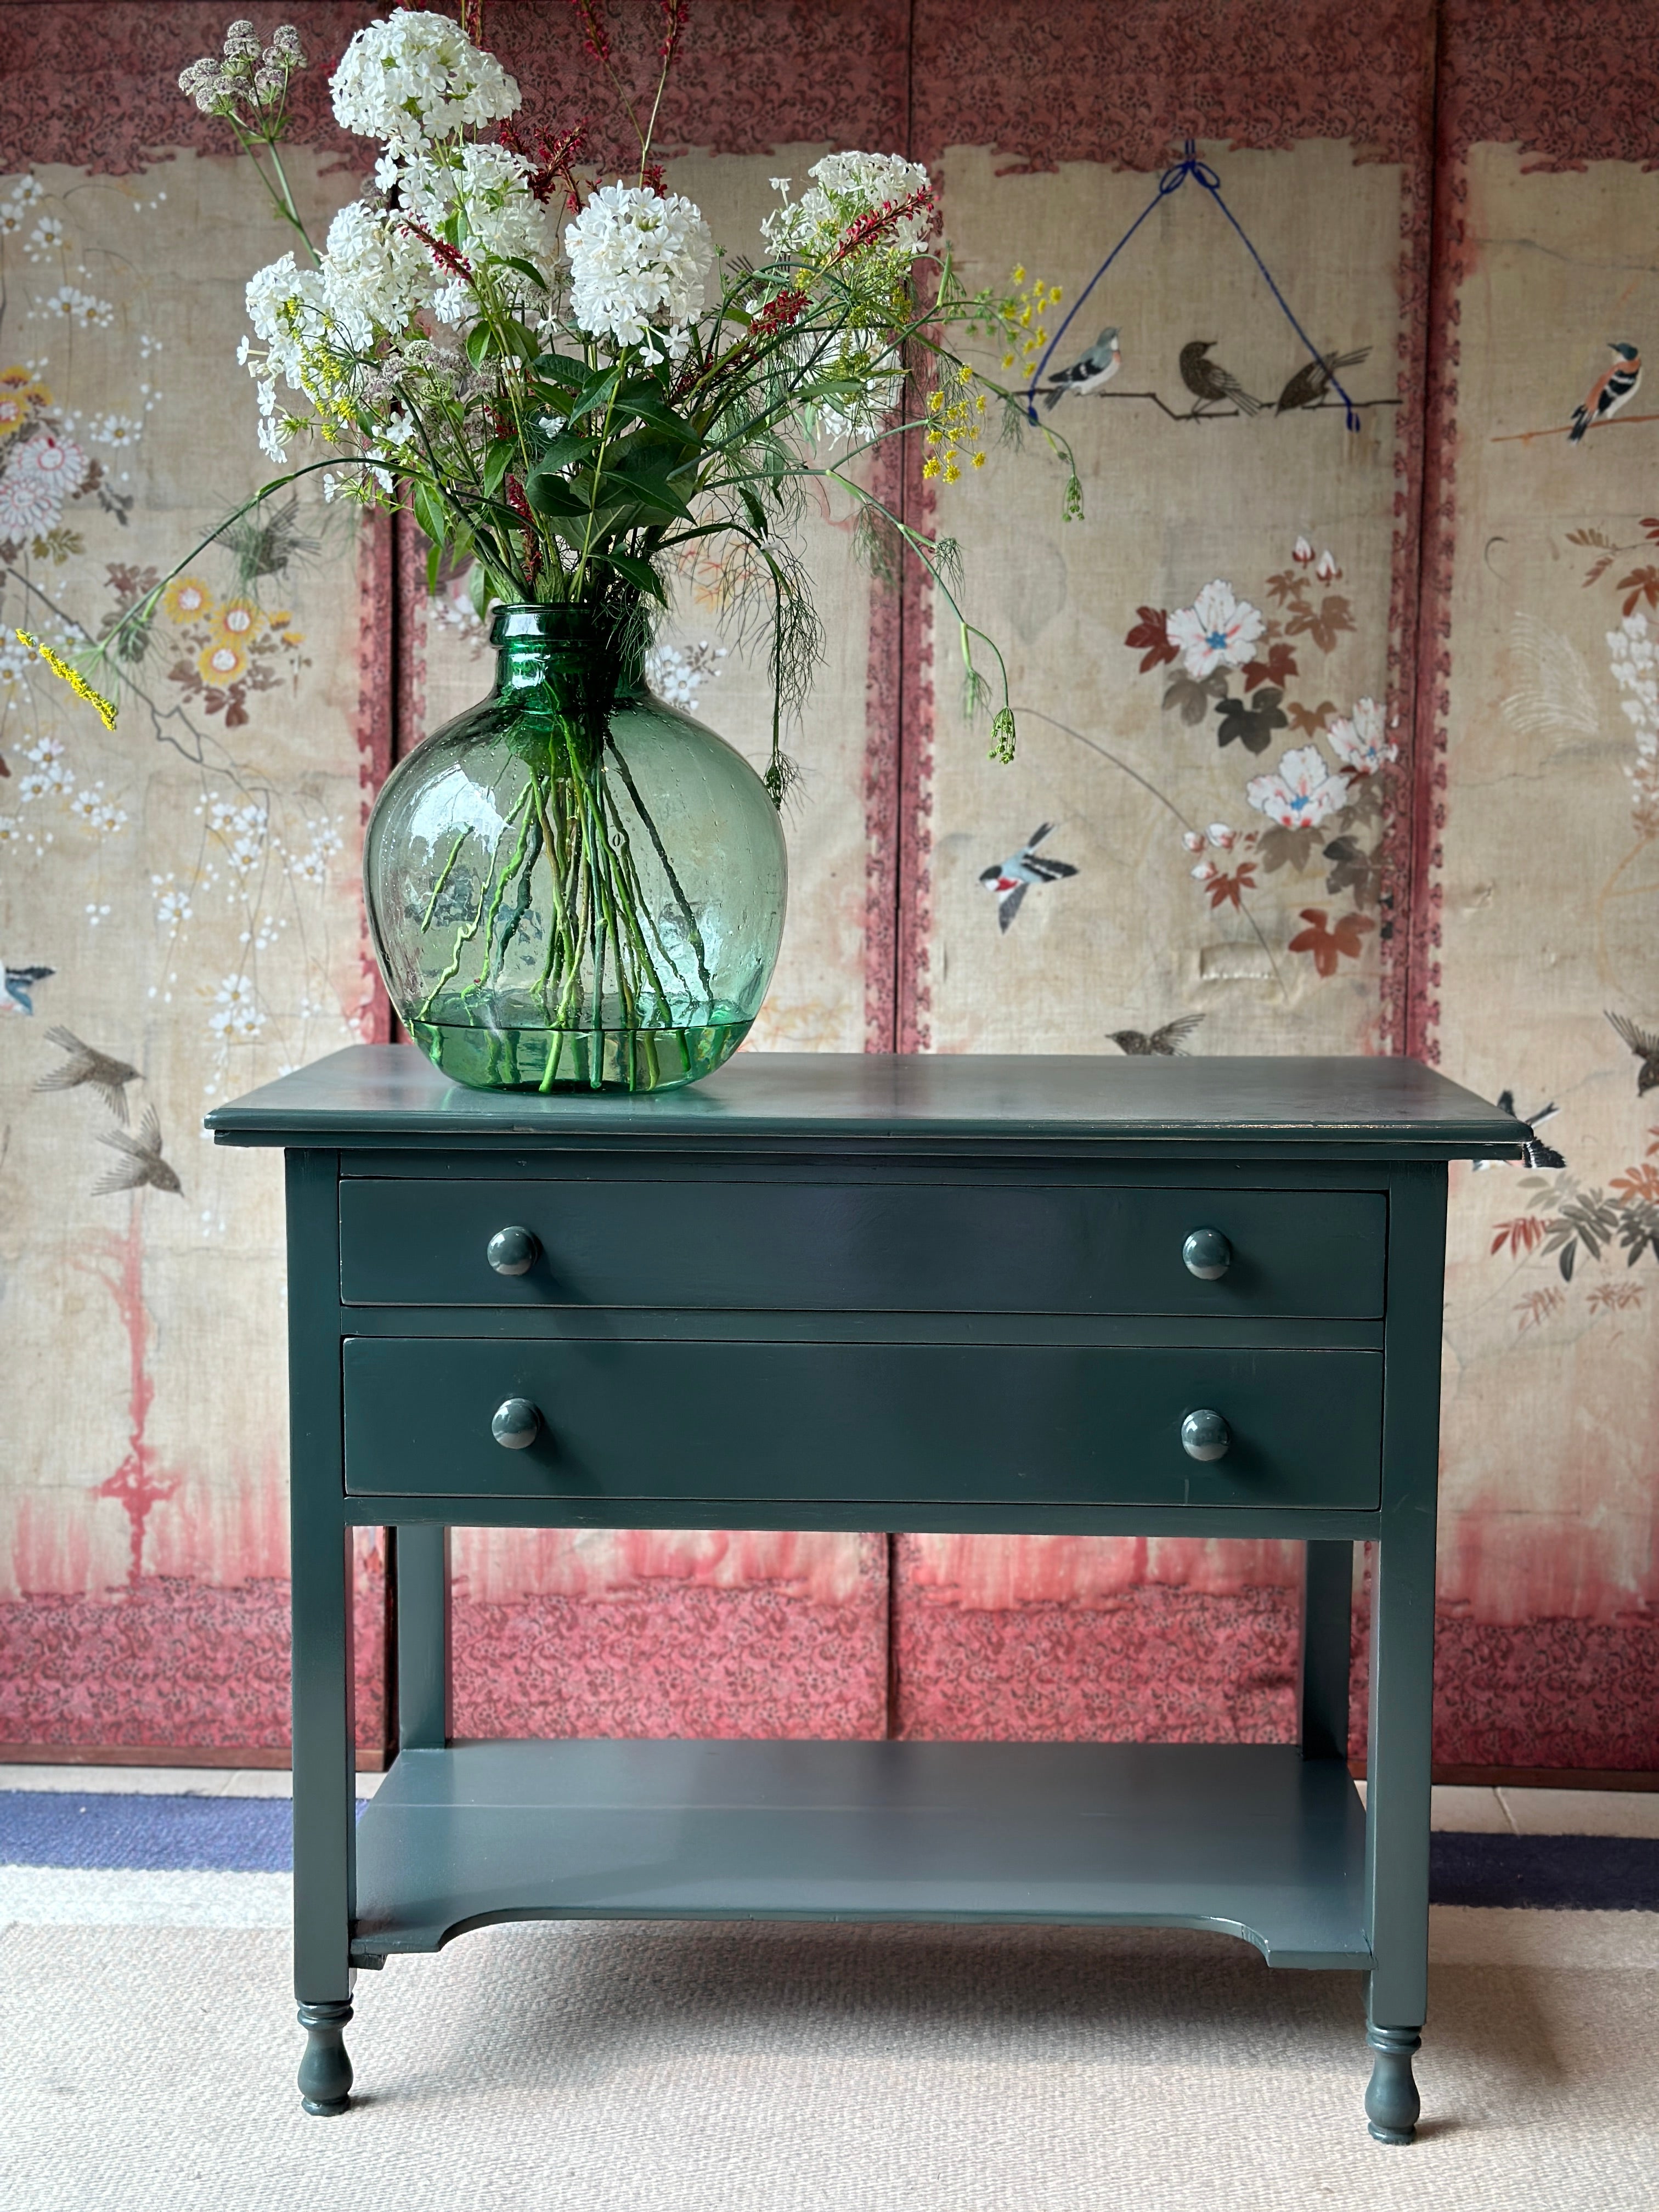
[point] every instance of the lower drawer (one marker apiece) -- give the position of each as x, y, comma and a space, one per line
1006, 1423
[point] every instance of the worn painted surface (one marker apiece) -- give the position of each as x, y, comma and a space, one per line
1490, 903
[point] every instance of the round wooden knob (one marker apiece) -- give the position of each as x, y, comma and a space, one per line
1207, 1255
512, 1251
516, 1423
1205, 1435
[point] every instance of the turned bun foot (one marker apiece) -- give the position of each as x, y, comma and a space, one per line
1392, 2103
324, 2070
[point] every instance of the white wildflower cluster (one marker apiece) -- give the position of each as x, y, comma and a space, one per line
417, 77
95, 812
236, 1018
639, 260
676, 672
242, 830
83, 309
49, 773
249, 76
1633, 657
846, 188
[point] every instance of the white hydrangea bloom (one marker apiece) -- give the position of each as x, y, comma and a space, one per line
375, 274
416, 76
636, 258
845, 186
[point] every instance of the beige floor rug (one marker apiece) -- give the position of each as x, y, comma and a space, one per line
766, 2068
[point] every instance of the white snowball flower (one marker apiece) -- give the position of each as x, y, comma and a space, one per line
844, 187
416, 76
375, 274
636, 256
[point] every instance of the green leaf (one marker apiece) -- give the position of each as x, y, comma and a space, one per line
429, 513
523, 268
640, 574
480, 343
754, 510
597, 394
434, 555
564, 452
552, 494
559, 368
499, 456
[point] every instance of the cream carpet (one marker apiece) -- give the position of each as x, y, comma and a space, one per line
762, 2069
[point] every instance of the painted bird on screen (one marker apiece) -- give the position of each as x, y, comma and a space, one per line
140, 1161
1209, 383
1098, 365
84, 1063
1166, 1043
1011, 878
1609, 392
20, 983
1313, 379
1545, 1156
1645, 1043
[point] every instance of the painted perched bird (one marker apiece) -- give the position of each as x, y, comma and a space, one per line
1645, 1043
109, 1076
1167, 1041
1506, 1102
1209, 383
1609, 392
1313, 379
143, 1163
20, 987
1011, 878
1098, 365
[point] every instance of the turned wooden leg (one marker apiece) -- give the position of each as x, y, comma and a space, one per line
325, 2068
1392, 2103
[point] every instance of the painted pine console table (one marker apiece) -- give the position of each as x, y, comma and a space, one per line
1088, 1296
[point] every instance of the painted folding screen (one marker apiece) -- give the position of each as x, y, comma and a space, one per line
1239, 835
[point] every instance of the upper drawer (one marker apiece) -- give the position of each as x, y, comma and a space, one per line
875, 1247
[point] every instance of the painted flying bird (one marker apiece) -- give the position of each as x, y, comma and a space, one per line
1313, 379
1609, 392
1098, 365
1209, 383
20, 987
1546, 1158
109, 1076
1167, 1043
1011, 878
142, 1163
1645, 1043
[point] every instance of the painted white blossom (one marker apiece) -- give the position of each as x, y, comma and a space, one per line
90, 807
416, 75
1217, 631
39, 476
844, 187
1633, 658
236, 1017
75, 306
46, 239
637, 258
116, 430
172, 906
28, 192
1357, 741
13, 218
1301, 792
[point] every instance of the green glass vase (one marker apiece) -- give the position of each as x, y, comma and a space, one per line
573, 885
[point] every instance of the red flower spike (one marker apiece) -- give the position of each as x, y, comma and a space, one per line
595, 37
675, 15
871, 225
520, 507
445, 256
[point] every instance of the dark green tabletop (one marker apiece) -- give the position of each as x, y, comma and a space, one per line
389, 1096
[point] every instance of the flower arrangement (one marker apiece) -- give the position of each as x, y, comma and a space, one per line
573, 389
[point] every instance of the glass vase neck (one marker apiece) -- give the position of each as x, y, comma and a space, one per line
569, 651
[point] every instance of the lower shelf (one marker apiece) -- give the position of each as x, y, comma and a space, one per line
1251, 1839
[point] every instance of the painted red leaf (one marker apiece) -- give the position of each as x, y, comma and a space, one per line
1277, 668
1152, 631
1326, 944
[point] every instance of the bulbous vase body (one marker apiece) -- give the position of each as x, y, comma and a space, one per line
573, 885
